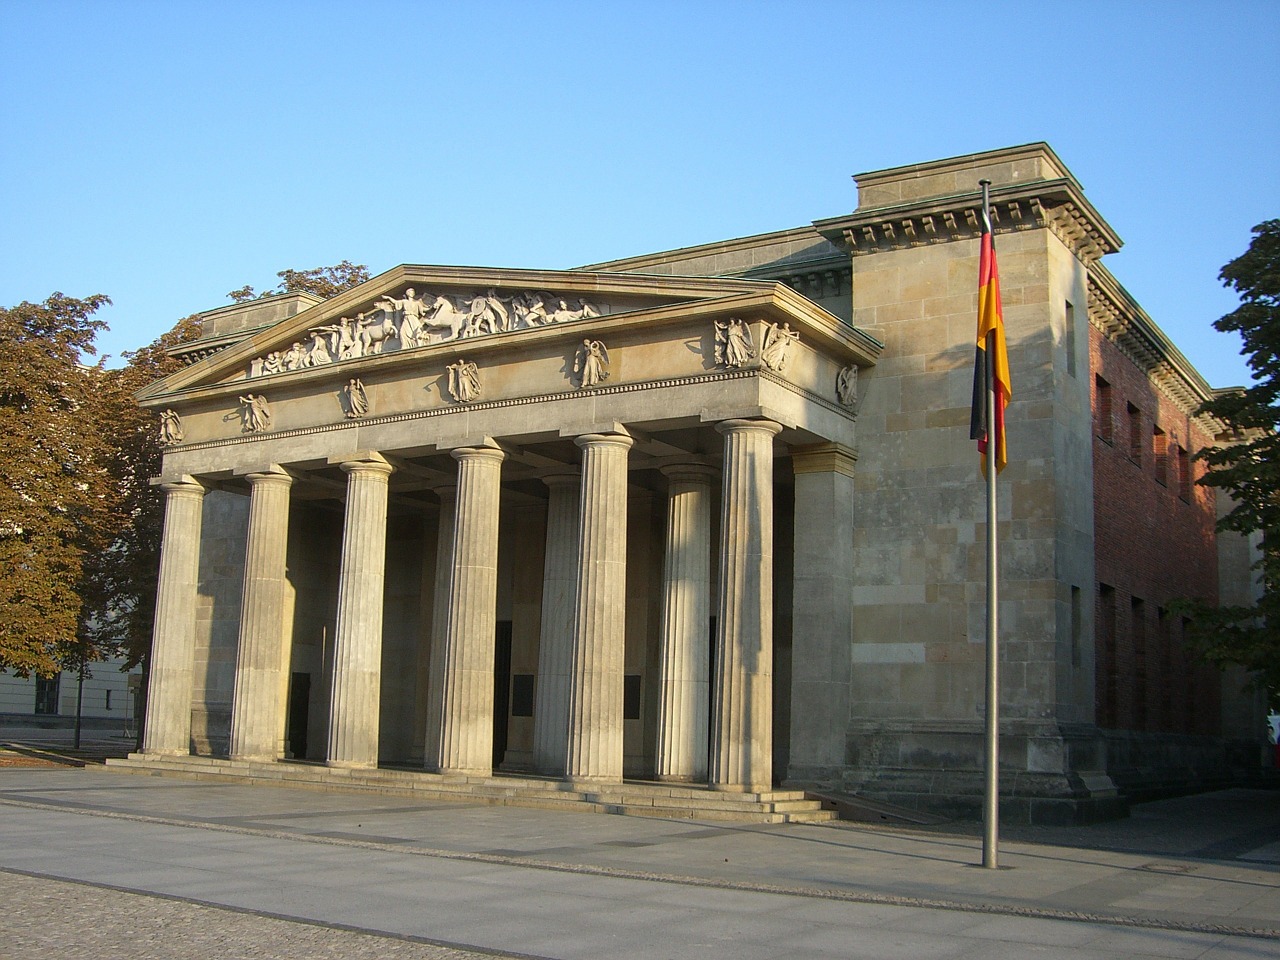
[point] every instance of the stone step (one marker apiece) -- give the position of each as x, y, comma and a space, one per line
630, 798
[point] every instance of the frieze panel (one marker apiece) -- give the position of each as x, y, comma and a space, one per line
418, 320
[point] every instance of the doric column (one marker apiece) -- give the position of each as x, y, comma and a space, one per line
743, 736
466, 699
822, 610
357, 649
168, 724
595, 682
255, 707
686, 626
555, 647
448, 494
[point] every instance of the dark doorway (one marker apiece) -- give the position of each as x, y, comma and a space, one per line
501, 689
299, 708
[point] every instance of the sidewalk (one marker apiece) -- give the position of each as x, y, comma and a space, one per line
1206, 865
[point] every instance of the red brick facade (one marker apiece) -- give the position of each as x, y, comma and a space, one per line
1155, 542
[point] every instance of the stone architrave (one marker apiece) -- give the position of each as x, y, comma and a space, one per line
741, 755
255, 707
822, 610
555, 648
683, 698
466, 699
595, 683
168, 723
357, 653
448, 494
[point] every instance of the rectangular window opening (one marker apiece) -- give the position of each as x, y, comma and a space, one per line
1160, 454
1136, 439
1102, 410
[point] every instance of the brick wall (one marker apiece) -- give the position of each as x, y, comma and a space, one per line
1155, 542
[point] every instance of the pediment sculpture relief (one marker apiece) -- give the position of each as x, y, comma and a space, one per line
591, 363
464, 381
734, 346
847, 387
171, 431
777, 346
414, 320
356, 400
255, 413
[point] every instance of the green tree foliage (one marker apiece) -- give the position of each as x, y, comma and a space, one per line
120, 581
57, 505
324, 282
1247, 467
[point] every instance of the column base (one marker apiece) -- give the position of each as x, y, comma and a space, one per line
349, 765
741, 787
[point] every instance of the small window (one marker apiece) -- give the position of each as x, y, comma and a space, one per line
1160, 453
1184, 475
1102, 409
108, 698
522, 695
47, 695
1138, 631
631, 696
1136, 438
1069, 335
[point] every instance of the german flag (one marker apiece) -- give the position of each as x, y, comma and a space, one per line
991, 353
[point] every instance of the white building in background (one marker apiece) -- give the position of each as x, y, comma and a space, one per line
108, 694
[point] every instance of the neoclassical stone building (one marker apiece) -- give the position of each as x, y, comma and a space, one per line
709, 516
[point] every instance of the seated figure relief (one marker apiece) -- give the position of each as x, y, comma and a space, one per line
412, 320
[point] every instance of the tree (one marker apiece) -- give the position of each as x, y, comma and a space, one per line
119, 583
1247, 466
56, 504
324, 282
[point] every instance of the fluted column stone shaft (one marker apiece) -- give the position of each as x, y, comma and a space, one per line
466, 705
684, 692
743, 716
448, 495
357, 654
555, 646
596, 679
255, 706
168, 723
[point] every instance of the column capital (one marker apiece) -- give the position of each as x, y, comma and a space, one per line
771, 427
824, 458
367, 467
477, 453
562, 478
270, 475
604, 440
184, 486
689, 472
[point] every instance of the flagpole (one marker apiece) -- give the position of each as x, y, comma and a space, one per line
991, 791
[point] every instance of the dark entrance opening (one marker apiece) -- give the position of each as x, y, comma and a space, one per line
501, 689
296, 719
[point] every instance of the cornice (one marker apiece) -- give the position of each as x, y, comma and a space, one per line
1055, 205
1119, 318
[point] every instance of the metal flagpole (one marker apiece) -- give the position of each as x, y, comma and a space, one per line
991, 791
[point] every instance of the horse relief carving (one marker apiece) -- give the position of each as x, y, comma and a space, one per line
418, 320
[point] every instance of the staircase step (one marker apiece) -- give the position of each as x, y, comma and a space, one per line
671, 801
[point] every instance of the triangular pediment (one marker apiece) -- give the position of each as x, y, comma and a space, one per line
412, 307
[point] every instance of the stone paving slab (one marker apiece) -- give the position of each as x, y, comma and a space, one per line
911, 892
45, 918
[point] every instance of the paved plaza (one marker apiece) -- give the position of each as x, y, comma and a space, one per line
98, 864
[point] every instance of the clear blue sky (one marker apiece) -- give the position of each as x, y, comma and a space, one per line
166, 153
